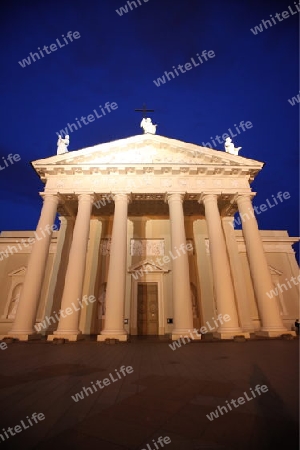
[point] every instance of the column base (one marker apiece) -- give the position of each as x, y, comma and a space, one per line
272, 334
68, 336
230, 334
119, 337
248, 329
189, 335
21, 337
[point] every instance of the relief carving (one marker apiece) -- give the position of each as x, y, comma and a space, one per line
105, 245
150, 247
166, 182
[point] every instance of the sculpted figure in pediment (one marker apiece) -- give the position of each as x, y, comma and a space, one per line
62, 144
148, 126
230, 148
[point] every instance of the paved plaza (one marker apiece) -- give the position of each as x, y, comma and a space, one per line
168, 394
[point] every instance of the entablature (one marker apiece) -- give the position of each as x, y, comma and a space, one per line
150, 204
148, 183
47, 172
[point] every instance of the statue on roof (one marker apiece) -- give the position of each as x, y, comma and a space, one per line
230, 148
62, 144
148, 126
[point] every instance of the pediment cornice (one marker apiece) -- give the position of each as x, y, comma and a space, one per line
274, 271
20, 272
147, 265
147, 154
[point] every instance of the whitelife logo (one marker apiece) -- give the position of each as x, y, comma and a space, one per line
9, 160
36, 417
240, 401
267, 23
27, 242
124, 9
244, 126
292, 101
187, 66
161, 441
53, 47
242, 217
106, 382
87, 119
274, 292
68, 311
203, 330
183, 248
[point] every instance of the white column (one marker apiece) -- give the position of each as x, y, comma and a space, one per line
70, 307
204, 272
88, 321
182, 305
221, 270
30, 295
116, 281
268, 307
66, 228
237, 275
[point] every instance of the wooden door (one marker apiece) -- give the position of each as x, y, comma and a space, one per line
147, 304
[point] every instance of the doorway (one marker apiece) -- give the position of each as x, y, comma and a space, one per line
147, 309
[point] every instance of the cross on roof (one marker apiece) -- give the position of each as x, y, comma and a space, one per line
144, 110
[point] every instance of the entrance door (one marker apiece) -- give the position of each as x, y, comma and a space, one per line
147, 305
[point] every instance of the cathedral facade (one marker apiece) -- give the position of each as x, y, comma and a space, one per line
147, 245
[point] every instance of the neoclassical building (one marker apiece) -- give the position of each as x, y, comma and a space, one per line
146, 246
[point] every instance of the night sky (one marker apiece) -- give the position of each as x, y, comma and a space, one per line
116, 58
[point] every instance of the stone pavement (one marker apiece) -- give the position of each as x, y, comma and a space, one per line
169, 394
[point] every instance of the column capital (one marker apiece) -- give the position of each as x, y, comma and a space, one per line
121, 196
241, 196
86, 197
48, 196
174, 196
208, 196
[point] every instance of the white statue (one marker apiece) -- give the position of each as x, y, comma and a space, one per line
148, 126
62, 144
230, 148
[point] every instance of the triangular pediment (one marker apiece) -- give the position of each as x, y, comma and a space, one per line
274, 271
147, 266
18, 272
145, 149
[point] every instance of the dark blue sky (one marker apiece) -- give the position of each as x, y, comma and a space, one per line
117, 58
